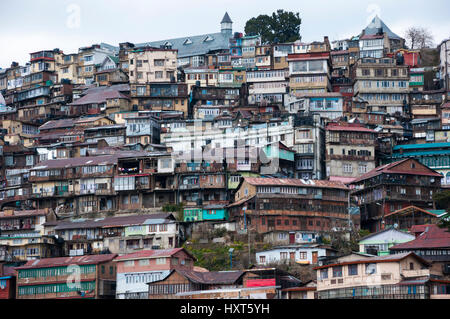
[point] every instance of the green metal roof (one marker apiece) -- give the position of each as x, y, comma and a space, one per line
421, 146
424, 153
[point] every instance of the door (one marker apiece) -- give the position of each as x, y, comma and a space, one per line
292, 238
314, 257
292, 256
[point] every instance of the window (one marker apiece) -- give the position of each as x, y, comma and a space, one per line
283, 255
158, 74
324, 273
144, 262
411, 266
348, 168
262, 259
159, 62
160, 261
352, 270
302, 255
337, 271
129, 263
371, 269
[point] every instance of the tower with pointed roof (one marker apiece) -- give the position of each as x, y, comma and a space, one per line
226, 26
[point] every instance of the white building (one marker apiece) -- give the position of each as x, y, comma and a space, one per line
302, 254
444, 55
187, 135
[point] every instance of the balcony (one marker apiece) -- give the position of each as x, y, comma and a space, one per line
416, 273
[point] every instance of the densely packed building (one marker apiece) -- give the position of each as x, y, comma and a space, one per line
110, 157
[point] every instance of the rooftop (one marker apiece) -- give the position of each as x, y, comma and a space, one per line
432, 237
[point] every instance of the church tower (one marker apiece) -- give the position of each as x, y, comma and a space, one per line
226, 25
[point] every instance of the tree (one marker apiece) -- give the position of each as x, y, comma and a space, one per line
282, 26
442, 199
418, 38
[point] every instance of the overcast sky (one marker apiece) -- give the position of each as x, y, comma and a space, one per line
27, 26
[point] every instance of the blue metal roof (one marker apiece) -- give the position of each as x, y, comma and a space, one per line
198, 45
424, 153
421, 146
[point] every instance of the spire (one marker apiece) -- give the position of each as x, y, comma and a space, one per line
226, 26
226, 18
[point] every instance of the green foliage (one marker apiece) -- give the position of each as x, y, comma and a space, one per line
215, 257
363, 233
219, 232
445, 221
442, 199
178, 209
282, 26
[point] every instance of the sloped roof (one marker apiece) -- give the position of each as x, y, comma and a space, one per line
409, 210
112, 221
375, 25
76, 161
388, 229
66, 261
218, 41
156, 253
258, 181
56, 124
99, 95
209, 277
226, 18
377, 259
390, 168
432, 237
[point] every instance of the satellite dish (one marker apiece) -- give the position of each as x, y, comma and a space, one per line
395, 225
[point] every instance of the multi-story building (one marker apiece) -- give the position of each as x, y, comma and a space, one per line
50, 278
401, 276
309, 72
444, 66
432, 243
89, 58
67, 68
203, 75
118, 234
271, 204
383, 84
309, 147
152, 65
136, 270
350, 151
193, 50
328, 105
22, 232
378, 243
394, 186
433, 155
428, 105
377, 40
268, 85
305, 254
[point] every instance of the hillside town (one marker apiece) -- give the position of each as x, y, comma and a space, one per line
219, 166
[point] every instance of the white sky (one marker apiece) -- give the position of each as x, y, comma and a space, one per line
28, 26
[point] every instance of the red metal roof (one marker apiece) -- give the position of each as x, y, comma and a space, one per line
67, 261
349, 128
390, 169
432, 237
